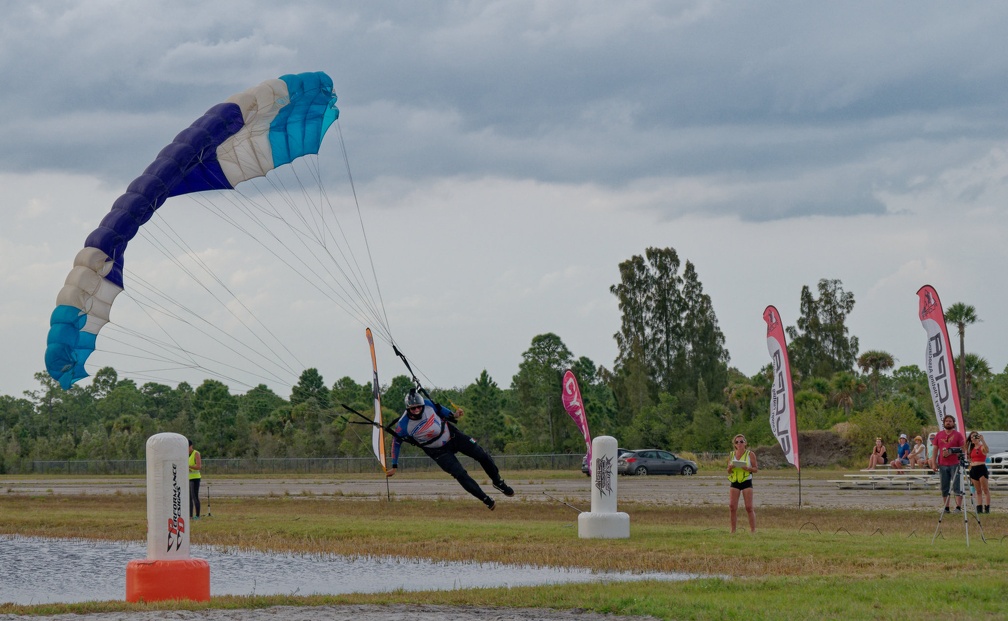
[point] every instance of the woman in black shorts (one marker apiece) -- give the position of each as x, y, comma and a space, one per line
977, 450
741, 467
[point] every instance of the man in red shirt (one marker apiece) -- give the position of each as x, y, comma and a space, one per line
948, 462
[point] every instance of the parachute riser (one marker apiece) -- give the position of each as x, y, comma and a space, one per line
416, 381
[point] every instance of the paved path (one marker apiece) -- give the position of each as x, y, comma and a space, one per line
770, 490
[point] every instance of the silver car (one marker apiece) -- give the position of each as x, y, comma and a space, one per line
584, 460
654, 461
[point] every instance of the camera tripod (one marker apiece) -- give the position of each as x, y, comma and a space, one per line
960, 474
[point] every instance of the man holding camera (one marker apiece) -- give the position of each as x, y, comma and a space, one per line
949, 444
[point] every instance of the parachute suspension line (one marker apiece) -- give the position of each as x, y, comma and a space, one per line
146, 307
160, 356
156, 356
239, 206
233, 344
352, 273
358, 300
315, 226
145, 310
187, 359
386, 328
356, 270
248, 205
362, 289
326, 286
272, 359
320, 282
162, 225
186, 356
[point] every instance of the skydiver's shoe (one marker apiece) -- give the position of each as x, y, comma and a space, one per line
489, 502
504, 488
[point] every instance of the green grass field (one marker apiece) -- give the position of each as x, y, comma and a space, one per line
801, 564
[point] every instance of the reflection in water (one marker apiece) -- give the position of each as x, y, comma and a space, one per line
38, 571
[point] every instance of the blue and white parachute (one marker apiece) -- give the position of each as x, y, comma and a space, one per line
247, 136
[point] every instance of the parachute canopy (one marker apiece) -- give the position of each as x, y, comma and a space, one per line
247, 136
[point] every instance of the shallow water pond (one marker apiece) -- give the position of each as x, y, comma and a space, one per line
37, 570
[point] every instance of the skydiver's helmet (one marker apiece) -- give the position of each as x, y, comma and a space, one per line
414, 400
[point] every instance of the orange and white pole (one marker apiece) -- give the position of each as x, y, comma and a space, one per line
168, 572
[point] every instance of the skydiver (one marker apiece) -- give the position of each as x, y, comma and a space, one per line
431, 426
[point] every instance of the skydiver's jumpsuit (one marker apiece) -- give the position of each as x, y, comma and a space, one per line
435, 434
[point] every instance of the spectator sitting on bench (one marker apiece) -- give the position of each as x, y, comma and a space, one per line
878, 455
902, 454
918, 454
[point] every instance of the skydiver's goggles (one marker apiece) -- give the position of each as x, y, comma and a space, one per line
414, 411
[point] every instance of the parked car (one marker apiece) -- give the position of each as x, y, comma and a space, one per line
997, 455
654, 461
584, 460
997, 441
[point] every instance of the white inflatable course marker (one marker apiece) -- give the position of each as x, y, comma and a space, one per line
168, 572
603, 521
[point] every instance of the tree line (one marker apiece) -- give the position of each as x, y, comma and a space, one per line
670, 386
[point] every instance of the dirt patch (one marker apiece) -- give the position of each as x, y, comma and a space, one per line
819, 449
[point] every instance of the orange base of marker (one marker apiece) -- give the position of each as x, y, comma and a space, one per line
153, 581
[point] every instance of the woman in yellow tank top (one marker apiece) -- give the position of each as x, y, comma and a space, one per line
741, 467
195, 466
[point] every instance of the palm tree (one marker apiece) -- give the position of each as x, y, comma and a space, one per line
844, 386
961, 315
742, 395
974, 368
873, 361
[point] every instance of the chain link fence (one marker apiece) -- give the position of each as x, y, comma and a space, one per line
315, 465
301, 465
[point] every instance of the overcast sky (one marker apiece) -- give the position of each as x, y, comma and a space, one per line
507, 156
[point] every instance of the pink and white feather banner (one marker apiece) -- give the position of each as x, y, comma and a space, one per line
939, 362
782, 407
571, 397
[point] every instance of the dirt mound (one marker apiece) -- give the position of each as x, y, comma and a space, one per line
817, 449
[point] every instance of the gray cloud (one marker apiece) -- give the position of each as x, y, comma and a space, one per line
657, 123
564, 92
